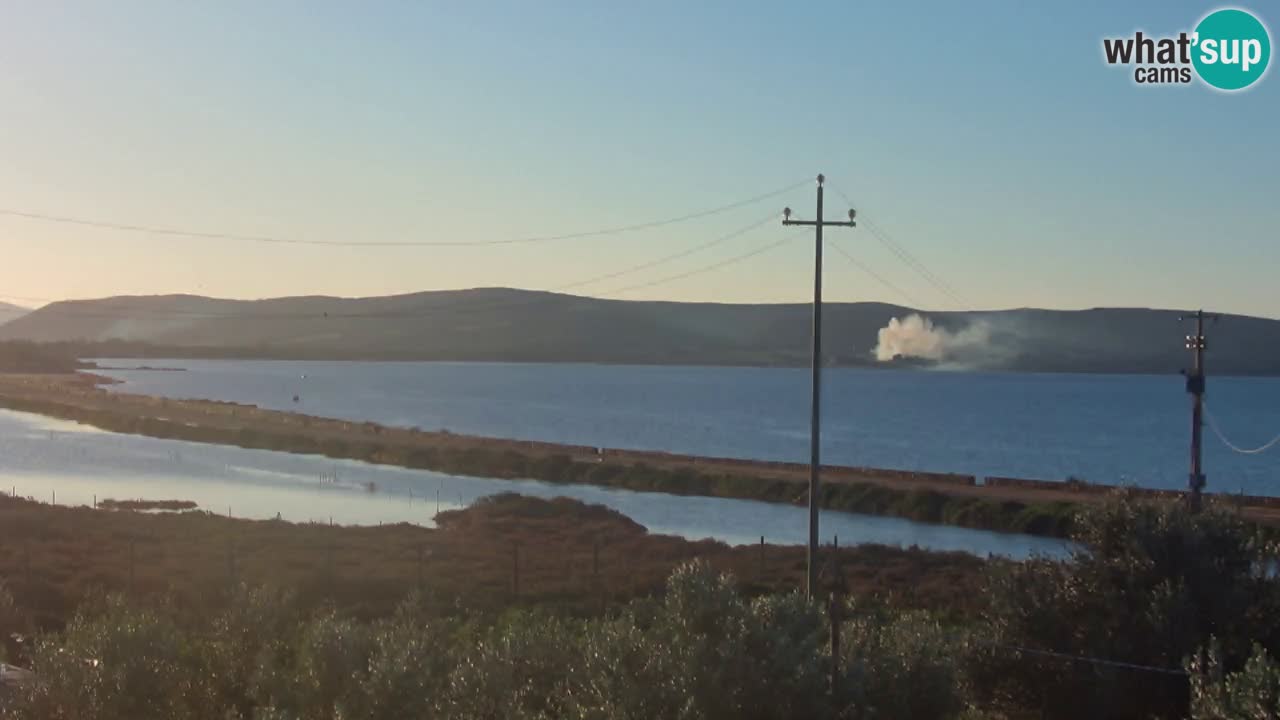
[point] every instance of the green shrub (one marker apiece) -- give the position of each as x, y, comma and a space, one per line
604, 474
11, 621
1251, 693
900, 667
1149, 585
245, 642
552, 468
704, 652
407, 670
121, 663
923, 505
317, 671
516, 669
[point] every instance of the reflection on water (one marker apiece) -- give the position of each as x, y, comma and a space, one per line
51, 459
1118, 429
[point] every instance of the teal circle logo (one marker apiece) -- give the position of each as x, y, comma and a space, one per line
1232, 49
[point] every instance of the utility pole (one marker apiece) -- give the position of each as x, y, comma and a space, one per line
1195, 386
815, 419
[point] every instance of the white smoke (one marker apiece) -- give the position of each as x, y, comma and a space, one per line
916, 337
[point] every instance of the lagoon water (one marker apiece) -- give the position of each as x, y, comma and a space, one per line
1120, 429
71, 464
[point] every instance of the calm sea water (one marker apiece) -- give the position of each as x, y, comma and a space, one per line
1104, 428
58, 461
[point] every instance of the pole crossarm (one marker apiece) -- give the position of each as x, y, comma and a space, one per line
825, 223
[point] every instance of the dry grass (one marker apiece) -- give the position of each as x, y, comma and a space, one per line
566, 554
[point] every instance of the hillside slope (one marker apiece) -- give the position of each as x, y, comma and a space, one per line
515, 325
10, 312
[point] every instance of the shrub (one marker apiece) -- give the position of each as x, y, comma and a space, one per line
11, 620
1149, 584
516, 669
245, 641
1252, 692
900, 667
704, 652
407, 669
316, 672
121, 663
552, 468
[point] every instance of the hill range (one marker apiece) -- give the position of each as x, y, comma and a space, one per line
499, 324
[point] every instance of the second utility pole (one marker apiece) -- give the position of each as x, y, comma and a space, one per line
1195, 386
815, 419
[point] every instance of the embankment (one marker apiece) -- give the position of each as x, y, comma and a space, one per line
1033, 507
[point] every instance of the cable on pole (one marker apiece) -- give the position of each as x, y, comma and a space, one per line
199, 234
1213, 425
877, 276
1052, 654
707, 268
1091, 660
124, 308
915, 264
910, 260
668, 258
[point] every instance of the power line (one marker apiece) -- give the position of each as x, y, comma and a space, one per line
1053, 654
1213, 425
663, 260
199, 234
907, 258
462, 306
881, 279
1085, 658
894, 247
706, 268
123, 307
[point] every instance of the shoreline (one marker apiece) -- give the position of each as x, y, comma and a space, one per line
208, 354
1033, 507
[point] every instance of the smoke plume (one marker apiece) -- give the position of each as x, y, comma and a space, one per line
916, 337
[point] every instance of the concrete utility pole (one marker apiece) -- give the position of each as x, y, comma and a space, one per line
815, 419
1195, 386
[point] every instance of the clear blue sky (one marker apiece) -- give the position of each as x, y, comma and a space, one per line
988, 138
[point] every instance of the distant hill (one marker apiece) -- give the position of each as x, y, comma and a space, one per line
527, 326
11, 312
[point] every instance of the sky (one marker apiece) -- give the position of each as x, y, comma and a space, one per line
988, 139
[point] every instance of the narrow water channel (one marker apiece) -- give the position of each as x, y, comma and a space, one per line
71, 464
